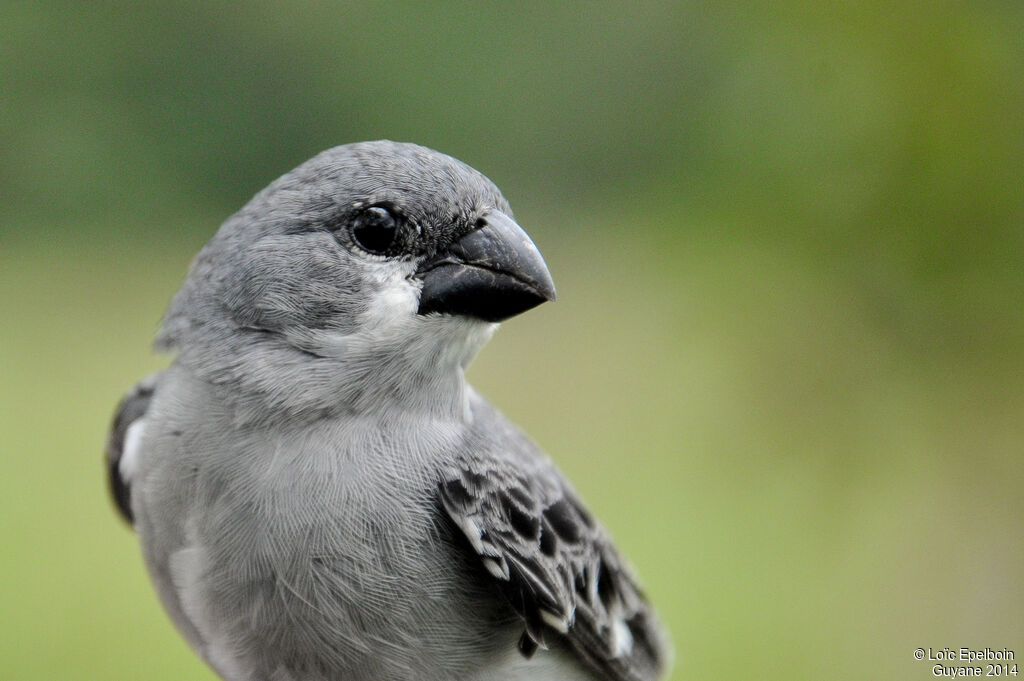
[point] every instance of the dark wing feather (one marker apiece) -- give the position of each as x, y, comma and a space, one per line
555, 564
132, 407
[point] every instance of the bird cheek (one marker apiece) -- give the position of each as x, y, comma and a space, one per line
277, 286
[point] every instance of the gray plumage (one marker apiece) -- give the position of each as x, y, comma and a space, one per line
319, 494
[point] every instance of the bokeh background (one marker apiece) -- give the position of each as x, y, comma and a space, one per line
786, 362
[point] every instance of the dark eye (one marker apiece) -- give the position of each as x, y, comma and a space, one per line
375, 230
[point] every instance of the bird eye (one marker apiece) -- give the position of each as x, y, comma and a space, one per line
375, 230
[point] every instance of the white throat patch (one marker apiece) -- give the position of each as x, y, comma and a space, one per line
393, 352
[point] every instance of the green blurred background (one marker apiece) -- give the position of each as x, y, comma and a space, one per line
786, 362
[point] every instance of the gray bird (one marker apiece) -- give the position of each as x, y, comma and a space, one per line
319, 494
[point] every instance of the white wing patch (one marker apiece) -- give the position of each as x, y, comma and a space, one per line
129, 462
559, 624
499, 570
622, 639
472, 532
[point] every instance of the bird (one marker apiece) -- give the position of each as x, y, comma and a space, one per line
319, 494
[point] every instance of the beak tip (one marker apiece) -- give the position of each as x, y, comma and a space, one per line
547, 291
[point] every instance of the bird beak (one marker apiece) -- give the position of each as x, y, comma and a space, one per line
492, 273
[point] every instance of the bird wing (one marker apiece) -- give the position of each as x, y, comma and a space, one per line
123, 442
555, 564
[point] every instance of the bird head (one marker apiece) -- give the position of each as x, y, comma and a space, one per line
394, 260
